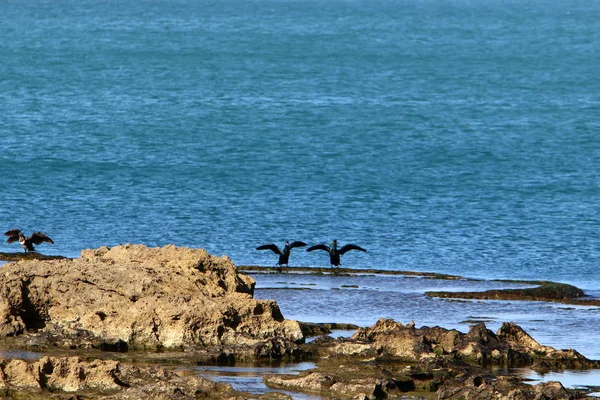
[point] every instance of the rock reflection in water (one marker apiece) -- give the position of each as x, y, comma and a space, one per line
249, 377
573, 379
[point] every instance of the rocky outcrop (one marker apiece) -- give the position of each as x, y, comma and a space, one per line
510, 346
103, 379
137, 297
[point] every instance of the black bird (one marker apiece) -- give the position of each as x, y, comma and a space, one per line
284, 254
334, 253
27, 241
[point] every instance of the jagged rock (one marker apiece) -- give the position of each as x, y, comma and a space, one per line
480, 346
406, 342
137, 297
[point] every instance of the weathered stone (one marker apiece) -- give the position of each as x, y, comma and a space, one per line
511, 345
106, 379
137, 297
478, 387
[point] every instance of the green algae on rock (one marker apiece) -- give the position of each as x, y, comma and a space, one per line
546, 291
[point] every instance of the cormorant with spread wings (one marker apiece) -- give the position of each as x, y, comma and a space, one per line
27, 242
334, 252
284, 255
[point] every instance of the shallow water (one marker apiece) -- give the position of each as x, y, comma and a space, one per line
570, 379
249, 378
20, 354
328, 298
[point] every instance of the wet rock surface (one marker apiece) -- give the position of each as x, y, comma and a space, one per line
135, 297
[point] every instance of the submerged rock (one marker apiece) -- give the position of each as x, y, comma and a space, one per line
546, 291
135, 297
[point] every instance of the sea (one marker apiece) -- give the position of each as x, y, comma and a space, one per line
450, 136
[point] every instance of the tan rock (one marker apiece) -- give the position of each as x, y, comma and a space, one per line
104, 379
511, 345
517, 338
140, 297
312, 382
18, 373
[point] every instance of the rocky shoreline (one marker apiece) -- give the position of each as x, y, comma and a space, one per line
185, 307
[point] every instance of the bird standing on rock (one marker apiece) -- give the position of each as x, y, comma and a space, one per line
284, 254
334, 253
27, 241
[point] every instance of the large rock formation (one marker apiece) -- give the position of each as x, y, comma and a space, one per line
133, 296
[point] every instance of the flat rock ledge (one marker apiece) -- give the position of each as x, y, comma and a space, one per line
546, 291
135, 297
391, 360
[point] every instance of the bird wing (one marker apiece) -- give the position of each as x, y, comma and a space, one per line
39, 237
297, 244
319, 247
349, 247
13, 235
271, 246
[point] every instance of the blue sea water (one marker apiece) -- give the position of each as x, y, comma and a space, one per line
454, 136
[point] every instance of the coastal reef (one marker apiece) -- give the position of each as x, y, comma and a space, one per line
134, 297
392, 360
132, 322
